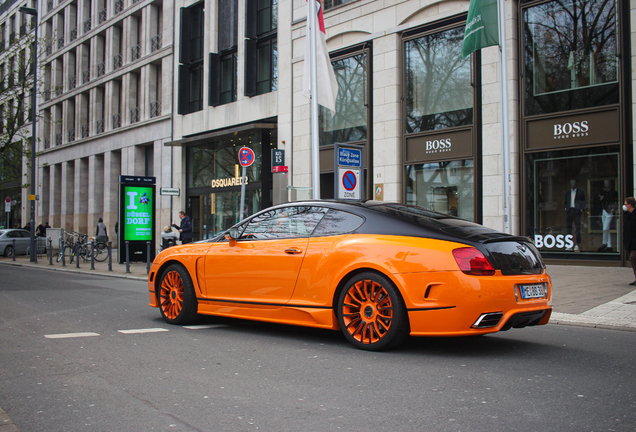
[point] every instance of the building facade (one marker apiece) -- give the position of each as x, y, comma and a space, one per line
174, 90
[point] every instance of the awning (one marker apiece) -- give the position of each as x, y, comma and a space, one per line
221, 133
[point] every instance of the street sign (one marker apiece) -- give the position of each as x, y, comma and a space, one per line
246, 157
7, 199
349, 182
348, 172
7, 206
170, 191
278, 158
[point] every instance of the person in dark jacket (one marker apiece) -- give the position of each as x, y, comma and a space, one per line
629, 232
185, 229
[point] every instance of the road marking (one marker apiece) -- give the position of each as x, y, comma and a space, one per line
148, 330
205, 326
70, 335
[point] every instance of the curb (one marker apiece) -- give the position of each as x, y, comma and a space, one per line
560, 318
71, 270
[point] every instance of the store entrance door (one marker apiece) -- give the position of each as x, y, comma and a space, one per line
213, 213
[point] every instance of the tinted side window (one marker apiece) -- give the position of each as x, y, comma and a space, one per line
283, 222
337, 222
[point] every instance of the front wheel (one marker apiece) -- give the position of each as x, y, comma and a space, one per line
177, 301
371, 313
100, 252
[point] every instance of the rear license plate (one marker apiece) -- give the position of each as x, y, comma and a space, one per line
532, 291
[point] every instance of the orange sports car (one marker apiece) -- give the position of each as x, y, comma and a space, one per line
376, 271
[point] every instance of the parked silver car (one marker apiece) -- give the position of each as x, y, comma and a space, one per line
22, 242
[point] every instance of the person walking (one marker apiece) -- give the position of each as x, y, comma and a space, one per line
185, 229
629, 232
101, 234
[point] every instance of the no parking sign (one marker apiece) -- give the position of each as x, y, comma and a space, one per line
349, 181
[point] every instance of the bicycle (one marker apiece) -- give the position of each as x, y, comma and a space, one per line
81, 248
67, 246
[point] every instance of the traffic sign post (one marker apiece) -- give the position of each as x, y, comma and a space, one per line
246, 158
348, 172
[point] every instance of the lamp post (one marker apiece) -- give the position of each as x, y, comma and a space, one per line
34, 12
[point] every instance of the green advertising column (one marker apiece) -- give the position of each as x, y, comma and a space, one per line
136, 217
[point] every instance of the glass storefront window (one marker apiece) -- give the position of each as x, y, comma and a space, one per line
214, 213
219, 160
438, 82
573, 202
445, 187
570, 46
350, 122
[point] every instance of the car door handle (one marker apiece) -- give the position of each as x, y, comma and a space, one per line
293, 251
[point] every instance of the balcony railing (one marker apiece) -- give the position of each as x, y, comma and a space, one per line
99, 127
135, 53
102, 15
49, 49
71, 135
86, 76
101, 69
116, 121
74, 34
155, 109
156, 43
59, 90
119, 6
72, 82
58, 139
85, 131
49, 5
60, 43
88, 24
118, 61
46, 94
47, 142
134, 115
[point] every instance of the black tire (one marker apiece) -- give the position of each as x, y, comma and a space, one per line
177, 301
8, 251
100, 252
371, 313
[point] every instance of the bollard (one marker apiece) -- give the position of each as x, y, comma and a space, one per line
127, 257
50, 250
14, 254
63, 248
93, 255
147, 257
110, 256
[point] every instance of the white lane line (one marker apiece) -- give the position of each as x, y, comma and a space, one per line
205, 326
70, 335
147, 330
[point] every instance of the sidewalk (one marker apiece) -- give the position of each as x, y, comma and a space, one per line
587, 296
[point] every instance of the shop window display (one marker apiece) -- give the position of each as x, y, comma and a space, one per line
445, 187
573, 203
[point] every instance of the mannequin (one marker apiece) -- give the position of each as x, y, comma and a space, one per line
609, 203
574, 206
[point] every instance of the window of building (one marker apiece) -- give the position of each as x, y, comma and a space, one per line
223, 65
191, 59
570, 55
261, 47
439, 92
333, 3
349, 124
573, 203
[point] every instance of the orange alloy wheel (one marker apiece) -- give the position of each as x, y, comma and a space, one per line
171, 295
367, 311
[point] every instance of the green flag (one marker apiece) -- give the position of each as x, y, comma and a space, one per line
481, 26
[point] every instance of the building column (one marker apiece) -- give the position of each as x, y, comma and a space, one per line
80, 215
95, 189
55, 196
111, 171
67, 195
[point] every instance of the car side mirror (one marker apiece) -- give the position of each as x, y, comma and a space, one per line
232, 234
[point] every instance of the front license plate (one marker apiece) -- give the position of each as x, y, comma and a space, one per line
532, 291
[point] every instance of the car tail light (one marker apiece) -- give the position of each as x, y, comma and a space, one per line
473, 262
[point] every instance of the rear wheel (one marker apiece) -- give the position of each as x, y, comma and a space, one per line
371, 313
8, 251
177, 301
100, 252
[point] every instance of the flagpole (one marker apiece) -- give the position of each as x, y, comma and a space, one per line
505, 133
315, 150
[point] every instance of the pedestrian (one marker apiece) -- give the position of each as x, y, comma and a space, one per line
629, 232
185, 229
40, 231
27, 226
101, 234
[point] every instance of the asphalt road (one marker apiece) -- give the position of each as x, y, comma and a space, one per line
231, 375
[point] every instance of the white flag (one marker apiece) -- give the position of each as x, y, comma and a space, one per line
327, 90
